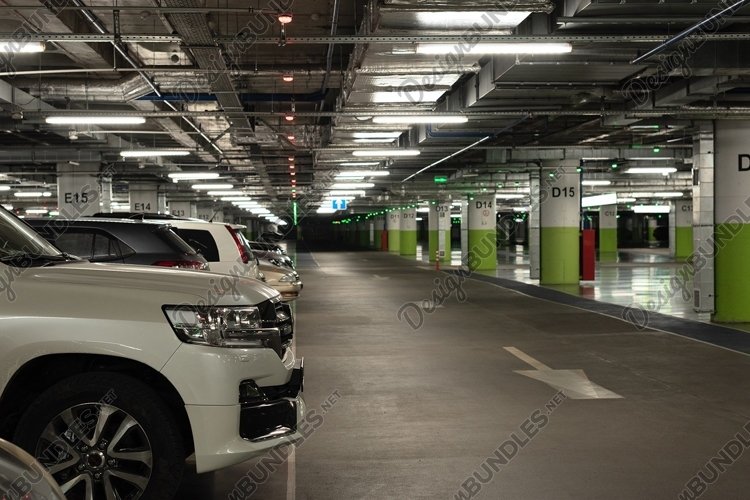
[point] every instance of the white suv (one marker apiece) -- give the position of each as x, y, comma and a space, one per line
220, 245
112, 375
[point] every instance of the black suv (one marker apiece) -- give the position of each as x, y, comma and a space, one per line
120, 241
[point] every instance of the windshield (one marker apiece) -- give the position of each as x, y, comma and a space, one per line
17, 239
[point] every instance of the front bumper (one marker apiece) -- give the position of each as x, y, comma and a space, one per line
228, 435
288, 291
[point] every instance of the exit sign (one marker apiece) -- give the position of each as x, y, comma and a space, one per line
441, 179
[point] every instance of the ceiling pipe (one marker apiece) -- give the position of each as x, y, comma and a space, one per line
728, 12
329, 54
245, 97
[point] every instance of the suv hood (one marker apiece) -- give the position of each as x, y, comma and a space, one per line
172, 285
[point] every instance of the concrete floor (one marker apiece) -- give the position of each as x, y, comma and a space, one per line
420, 410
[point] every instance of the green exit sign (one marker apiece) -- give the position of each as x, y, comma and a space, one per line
441, 179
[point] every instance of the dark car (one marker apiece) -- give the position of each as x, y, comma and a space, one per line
120, 241
271, 252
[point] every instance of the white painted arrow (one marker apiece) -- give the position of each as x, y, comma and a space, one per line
573, 383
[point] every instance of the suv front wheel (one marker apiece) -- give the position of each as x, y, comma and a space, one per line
105, 436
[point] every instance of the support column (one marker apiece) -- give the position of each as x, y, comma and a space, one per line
483, 233
363, 228
732, 218
144, 197
608, 233
439, 221
535, 226
703, 218
393, 221
78, 189
183, 209
560, 200
681, 229
105, 188
464, 232
408, 238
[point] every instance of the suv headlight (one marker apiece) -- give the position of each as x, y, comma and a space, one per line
221, 326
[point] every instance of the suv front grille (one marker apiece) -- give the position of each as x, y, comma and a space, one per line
276, 314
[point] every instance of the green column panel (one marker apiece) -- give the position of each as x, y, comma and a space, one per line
732, 268
560, 255
482, 250
378, 239
607, 245
364, 236
434, 246
683, 237
394, 241
408, 243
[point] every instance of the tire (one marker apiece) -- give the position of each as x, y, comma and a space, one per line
61, 428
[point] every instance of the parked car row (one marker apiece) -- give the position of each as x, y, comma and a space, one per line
112, 374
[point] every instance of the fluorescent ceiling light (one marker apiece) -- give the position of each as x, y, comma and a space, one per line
4, 188
193, 176
651, 170
386, 152
132, 153
407, 96
243, 199
649, 158
95, 120
596, 183
16, 47
495, 48
363, 173
470, 18
346, 192
361, 164
329, 198
374, 141
8, 207
353, 185
522, 210
669, 194
423, 119
514, 196
626, 200
32, 194
212, 187
377, 135
600, 200
36, 211
424, 210
326, 210
652, 209
224, 192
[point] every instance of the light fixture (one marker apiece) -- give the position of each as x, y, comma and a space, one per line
285, 17
652, 209
357, 174
506, 48
16, 47
345, 192
94, 120
288, 77
291, 158
211, 187
221, 193
7, 207
361, 164
292, 174
289, 118
363, 153
290, 138
419, 119
37, 211
407, 96
669, 194
656, 158
135, 153
651, 170
432, 19
377, 135
593, 182
511, 196
32, 194
193, 176
291, 167
600, 200
4, 188
353, 185
626, 200
374, 141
